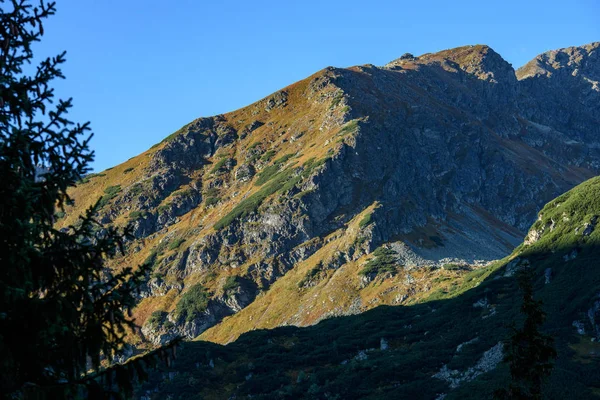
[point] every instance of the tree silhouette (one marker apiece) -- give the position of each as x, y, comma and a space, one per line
530, 353
62, 312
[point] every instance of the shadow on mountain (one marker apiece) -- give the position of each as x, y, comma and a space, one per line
393, 352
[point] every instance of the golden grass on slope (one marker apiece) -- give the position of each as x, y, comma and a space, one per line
293, 129
338, 292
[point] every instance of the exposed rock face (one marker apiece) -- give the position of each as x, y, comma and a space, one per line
574, 72
170, 325
277, 100
457, 149
244, 173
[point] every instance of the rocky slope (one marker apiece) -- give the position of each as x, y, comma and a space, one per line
449, 346
271, 213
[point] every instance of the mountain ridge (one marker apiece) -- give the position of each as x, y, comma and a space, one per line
447, 157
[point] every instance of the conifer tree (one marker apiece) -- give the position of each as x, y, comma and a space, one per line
62, 312
530, 353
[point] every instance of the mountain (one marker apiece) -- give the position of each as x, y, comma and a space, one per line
448, 347
353, 188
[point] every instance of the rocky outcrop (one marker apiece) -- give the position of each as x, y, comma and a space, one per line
147, 223
278, 100
188, 148
575, 73
170, 326
488, 361
244, 173
164, 327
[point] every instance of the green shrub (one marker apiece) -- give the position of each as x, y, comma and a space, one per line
349, 127
161, 247
156, 318
109, 194
366, 221
266, 174
151, 259
280, 181
384, 260
87, 178
168, 324
211, 192
112, 190
253, 145
283, 159
162, 208
254, 158
173, 135
136, 189
103, 201
303, 193
336, 100
193, 303
267, 156
310, 275
455, 267
175, 244
59, 214
359, 241
231, 283
211, 201
311, 164
128, 170
138, 214
219, 164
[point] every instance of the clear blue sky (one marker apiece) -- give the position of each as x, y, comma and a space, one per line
140, 69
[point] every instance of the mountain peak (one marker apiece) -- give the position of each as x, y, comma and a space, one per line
575, 73
576, 60
478, 60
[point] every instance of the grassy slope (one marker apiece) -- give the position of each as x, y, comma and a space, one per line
300, 115
335, 291
319, 361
